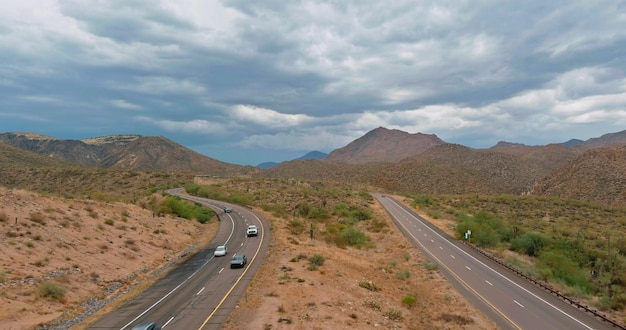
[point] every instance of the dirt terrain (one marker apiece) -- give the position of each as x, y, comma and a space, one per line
286, 294
93, 250
88, 250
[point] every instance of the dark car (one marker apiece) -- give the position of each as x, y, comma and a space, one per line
146, 326
239, 261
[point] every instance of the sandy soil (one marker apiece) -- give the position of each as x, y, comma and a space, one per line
285, 294
96, 249
89, 249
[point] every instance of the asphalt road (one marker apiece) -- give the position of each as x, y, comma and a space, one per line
201, 292
510, 301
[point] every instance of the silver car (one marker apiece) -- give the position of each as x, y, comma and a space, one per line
220, 251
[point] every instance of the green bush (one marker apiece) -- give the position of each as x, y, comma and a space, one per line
529, 243
353, 236
558, 266
175, 205
317, 260
409, 301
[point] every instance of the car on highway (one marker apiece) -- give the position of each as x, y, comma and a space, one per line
228, 209
238, 261
147, 326
220, 251
252, 230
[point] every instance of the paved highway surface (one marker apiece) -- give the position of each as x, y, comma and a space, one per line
509, 300
201, 292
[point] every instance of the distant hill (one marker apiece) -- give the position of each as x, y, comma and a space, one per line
310, 155
387, 159
11, 156
313, 155
572, 143
598, 175
131, 152
384, 145
606, 140
510, 168
267, 165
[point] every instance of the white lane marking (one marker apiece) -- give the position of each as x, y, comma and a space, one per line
441, 247
488, 282
517, 302
221, 270
453, 257
395, 203
468, 268
168, 322
200, 291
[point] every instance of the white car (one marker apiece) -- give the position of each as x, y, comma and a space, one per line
220, 251
252, 231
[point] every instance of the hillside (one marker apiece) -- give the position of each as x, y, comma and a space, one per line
131, 152
597, 175
15, 157
384, 145
389, 159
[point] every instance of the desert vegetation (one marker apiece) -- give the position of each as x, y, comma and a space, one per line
335, 256
578, 246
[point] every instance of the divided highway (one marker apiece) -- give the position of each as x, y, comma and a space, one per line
510, 301
201, 292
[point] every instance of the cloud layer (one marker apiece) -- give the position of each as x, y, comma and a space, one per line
252, 81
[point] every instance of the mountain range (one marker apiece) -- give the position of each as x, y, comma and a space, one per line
388, 159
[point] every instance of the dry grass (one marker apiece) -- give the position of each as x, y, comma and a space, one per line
56, 254
286, 293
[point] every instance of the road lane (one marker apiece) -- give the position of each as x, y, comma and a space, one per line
510, 301
201, 292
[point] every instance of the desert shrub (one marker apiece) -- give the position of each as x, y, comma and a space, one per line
307, 210
317, 259
403, 274
51, 289
409, 300
393, 314
430, 266
353, 236
556, 265
484, 228
529, 243
38, 217
3, 217
377, 225
423, 200
109, 222
175, 205
296, 226
369, 285
373, 304
352, 214
277, 210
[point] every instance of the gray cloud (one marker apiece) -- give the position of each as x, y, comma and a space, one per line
247, 82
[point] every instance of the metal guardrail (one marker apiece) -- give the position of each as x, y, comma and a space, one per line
546, 287
540, 284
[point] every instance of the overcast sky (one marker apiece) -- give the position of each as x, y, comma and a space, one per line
252, 81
